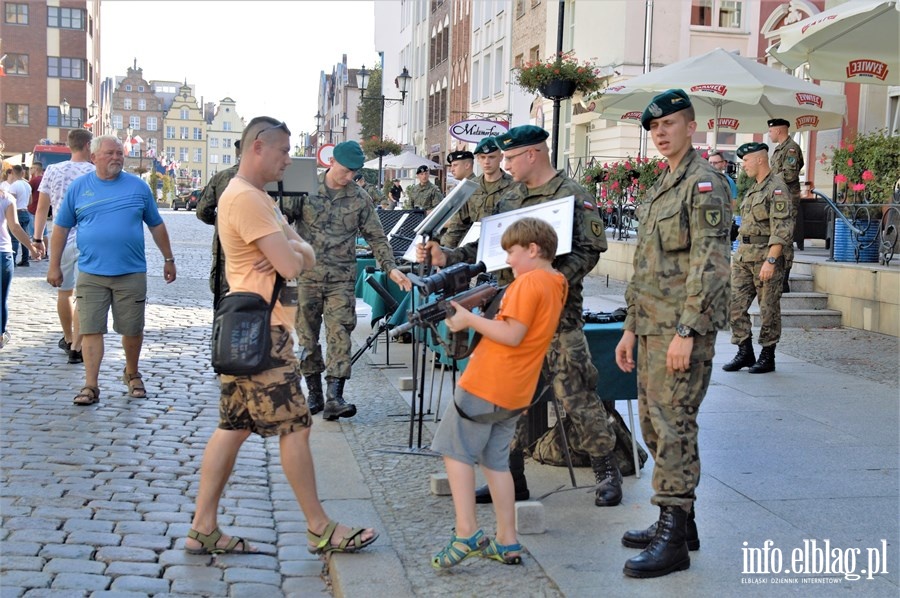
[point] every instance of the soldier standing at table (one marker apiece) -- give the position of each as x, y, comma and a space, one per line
568, 364
758, 265
492, 182
787, 162
330, 221
424, 194
677, 299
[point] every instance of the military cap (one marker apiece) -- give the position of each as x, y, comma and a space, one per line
237, 144
349, 154
521, 136
459, 155
421, 169
752, 147
668, 102
778, 122
488, 145
358, 176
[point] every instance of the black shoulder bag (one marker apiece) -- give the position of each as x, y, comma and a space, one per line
241, 339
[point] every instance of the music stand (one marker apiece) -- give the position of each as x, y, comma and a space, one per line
391, 306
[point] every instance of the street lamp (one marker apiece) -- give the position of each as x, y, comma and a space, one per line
64, 111
344, 120
362, 81
140, 170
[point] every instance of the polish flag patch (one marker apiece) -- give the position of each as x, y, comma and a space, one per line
777, 191
704, 186
588, 205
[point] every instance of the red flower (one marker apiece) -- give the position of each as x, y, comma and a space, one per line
840, 178
588, 178
628, 165
868, 175
850, 148
849, 161
859, 186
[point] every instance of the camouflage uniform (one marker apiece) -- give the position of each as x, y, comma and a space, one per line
568, 364
206, 212
481, 204
425, 196
680, 277
331, 224
787, 162
765, 220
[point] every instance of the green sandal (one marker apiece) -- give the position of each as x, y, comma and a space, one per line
501, 552
208, 544
459, 549
352, 542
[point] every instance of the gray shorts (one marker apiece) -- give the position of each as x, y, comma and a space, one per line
69, 265
471, 442
127, 294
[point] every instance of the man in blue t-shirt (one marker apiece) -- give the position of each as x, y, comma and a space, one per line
110, 208
717, 161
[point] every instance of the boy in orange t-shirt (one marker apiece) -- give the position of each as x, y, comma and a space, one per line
496, 388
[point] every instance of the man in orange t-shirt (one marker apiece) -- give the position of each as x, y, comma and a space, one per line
479, 427
258, 243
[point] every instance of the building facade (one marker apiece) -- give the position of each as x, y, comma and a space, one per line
185, 139
52, 71
225, 127
136, 117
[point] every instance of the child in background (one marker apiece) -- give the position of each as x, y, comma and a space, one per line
496, 387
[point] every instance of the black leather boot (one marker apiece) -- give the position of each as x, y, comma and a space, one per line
640, 538
517, 469
316, 400
744, 358
668, 551
335, 405
609, 480
766, 361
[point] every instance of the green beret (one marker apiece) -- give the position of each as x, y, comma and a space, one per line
779, 122
668, 102
521, 136
488, 145
749, 148
459, 155
349, 155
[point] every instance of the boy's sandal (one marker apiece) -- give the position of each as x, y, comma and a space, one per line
136, 388
208, 544
459, 549
352, 542
508, 554
88, 395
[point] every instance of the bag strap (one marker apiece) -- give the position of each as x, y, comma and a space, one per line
490, 418
278, 282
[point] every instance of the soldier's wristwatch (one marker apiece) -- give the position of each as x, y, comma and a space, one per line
684, 331
771, 260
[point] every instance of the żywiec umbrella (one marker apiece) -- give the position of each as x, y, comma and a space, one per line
728, 92
856, 42
405, 159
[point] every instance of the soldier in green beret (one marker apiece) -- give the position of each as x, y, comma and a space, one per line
492, 182
787, 162
331, 221
677, 299
568, 365
758, 266
424, 194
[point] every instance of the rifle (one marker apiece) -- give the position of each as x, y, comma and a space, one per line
431, 314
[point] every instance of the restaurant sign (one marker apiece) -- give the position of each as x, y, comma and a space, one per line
473, 131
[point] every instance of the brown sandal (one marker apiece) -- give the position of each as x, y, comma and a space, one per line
136, 389
88, 395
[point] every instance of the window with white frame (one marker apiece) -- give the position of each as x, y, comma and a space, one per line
198, 154
126, 104
151, 123
198, 133
185, 114
170, 132
183, 132
486, 76
116, 121
134, 122
226, 159
213, 142
170, 153
226, 142
214, 158
142, 104
475, 79
182, 154
500, 71
717, 14
226, 126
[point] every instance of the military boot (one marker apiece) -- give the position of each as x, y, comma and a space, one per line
517, 469
609, 480
667, 551
640, 538
315, 401
335, 405
766, 361
744, 358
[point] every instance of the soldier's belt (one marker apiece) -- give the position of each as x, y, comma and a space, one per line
754, 240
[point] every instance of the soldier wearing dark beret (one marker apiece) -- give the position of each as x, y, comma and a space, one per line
331, 220
424, 194
568, 365
787, 162
462, 165
758, 266
677, 300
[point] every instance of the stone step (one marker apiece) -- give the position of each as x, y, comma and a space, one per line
802, 269
804, 318
800, 300
802, 283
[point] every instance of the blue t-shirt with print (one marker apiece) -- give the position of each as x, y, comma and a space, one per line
110, 216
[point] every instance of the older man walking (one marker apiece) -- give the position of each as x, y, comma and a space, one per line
109, 207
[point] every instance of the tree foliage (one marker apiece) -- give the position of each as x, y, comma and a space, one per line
369, 113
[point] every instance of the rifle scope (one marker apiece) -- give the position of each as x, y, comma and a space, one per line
450, 280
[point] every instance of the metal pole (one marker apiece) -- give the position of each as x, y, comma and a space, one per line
381, 137
554, 142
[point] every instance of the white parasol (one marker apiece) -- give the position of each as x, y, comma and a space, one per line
403, 160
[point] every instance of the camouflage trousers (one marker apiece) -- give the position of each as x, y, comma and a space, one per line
573, 381
336, 300
668, 406
745, 286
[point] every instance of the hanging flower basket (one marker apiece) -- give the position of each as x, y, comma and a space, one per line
558, 89
558, 76
374, 147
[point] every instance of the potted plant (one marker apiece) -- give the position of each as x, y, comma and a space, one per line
374, 147
630, 177
559, 76
866, 167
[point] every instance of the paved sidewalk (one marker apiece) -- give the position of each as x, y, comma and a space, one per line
96, 501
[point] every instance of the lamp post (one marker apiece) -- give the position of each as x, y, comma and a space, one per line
362, 81
64, 113
344, 120
140, 170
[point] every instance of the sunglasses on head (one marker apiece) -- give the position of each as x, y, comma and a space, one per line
282, 125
